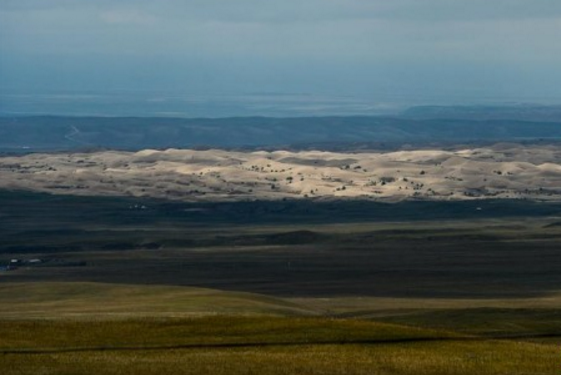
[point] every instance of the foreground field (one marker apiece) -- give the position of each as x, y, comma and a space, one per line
104, 286
85, 328
226, 345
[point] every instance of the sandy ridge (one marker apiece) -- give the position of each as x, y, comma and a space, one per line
500, 171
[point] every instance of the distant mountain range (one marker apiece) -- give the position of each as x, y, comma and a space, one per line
522, 112
416, 126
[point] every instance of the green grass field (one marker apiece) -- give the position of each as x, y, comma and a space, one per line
259, 345
262, 288
89, 328
48, 300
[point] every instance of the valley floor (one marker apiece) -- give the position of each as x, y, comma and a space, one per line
101, 285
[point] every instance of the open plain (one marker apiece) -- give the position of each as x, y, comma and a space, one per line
130, 285
280, 188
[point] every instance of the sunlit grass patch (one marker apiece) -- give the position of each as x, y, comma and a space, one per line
413, 358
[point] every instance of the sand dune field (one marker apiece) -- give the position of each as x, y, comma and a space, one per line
499, 171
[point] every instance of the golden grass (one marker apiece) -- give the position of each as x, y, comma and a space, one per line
211, 331
93, 328
229, 345
83, 299
373, 307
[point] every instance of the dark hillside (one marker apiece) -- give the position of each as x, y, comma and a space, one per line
82, 133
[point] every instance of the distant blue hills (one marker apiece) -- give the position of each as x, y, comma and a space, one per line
421, 125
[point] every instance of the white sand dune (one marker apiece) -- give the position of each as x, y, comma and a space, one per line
500, 171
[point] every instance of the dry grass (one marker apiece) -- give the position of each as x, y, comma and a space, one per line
226, 345
89, 328
83, 299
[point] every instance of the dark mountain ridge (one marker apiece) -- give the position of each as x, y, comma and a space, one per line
48, 133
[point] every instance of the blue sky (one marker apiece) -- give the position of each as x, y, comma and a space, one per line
496, 49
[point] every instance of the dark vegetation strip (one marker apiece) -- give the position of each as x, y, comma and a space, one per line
276, 344
281, 344
75, 212
240, 345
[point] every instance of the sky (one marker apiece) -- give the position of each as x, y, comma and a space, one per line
476, 50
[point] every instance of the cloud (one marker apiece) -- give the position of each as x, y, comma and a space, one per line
448, 42
313, 29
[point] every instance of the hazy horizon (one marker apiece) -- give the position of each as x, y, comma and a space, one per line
177, 104
253, 57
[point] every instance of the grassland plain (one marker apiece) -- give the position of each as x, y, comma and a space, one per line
86, 328
258, 345
287, 249
180, 289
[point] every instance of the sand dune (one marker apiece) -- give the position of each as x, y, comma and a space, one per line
500, 171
